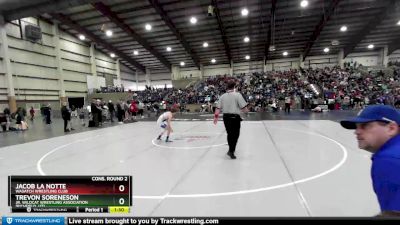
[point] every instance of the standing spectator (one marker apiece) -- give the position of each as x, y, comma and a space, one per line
377, 130
66, 116
6, 112
4, 122
99, 107
74, 111
287, 103
274, 106
141, 109
32, 113
7, 119
164, 106
20, 119
346, 103
133, 109
111, 109
120, 111
156, 108
127, 111
81, 112
47, 113
96, 112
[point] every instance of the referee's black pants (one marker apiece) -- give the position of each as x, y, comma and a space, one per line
232, 126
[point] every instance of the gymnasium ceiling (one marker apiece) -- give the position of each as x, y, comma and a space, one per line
283, 24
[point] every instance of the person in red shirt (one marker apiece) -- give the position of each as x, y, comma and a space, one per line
134, 109
176, 106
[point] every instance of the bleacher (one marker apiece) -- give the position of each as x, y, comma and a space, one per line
184, 83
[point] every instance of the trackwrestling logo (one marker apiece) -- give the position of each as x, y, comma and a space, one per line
33, 220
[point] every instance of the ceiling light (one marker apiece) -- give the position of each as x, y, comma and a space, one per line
82, 37
213, 60
182, 63
136, 52
148, 27
246, 39
326, 50
247, 57
193, 20
371, 46
285, 53
304, 3
343, 28
398, 23
109, 33
169, 49
205, 44
245, 12
112, 55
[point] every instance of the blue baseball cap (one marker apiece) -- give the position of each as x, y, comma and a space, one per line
372, 113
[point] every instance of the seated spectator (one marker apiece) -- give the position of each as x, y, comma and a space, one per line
317, 109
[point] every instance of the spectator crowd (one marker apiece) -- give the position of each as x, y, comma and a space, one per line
304, 89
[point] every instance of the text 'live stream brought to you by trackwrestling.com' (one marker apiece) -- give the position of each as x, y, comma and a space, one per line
140, 221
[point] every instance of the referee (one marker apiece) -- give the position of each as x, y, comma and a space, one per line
231, 104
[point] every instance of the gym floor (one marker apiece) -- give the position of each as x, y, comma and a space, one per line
301, 164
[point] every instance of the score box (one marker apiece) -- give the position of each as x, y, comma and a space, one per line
68, 193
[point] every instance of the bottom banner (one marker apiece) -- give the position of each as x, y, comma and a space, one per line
222, 220
139, 221
9, 220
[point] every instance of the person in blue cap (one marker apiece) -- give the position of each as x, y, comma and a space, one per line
377, 131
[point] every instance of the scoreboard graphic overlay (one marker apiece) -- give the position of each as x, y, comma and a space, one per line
86, 194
